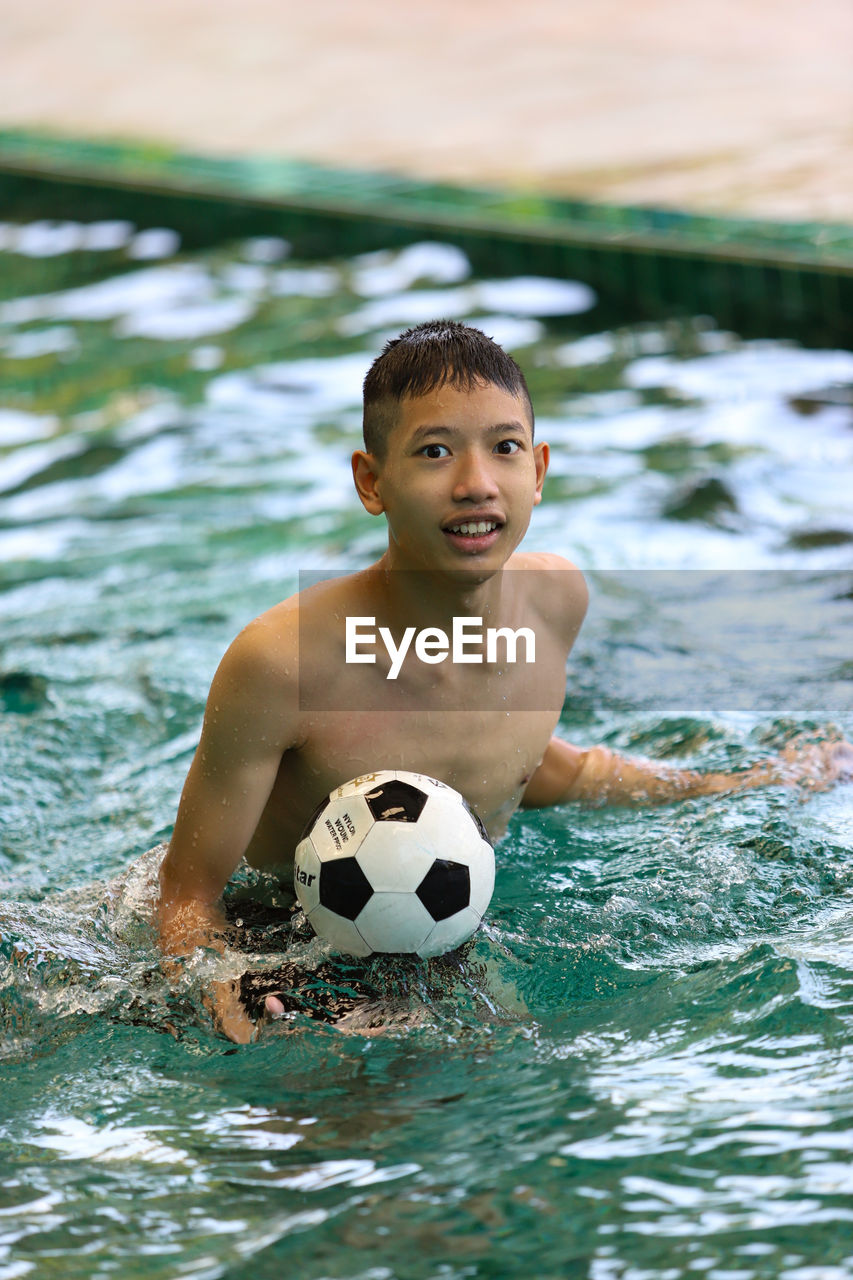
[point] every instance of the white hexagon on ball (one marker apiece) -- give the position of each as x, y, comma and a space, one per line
481, 863
364, 782
342, 824
306, 875
396, 857
394, 922
445, 935
342, 934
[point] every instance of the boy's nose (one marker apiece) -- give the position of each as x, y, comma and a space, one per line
474, 479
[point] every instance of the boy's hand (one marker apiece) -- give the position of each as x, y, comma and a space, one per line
222, 1001
229, 1012
817, 765
185, 926
600, 776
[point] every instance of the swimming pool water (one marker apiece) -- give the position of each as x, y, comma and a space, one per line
644, 1070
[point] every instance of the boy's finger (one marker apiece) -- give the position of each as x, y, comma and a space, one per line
842, 760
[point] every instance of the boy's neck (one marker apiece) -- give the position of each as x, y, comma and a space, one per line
424, 598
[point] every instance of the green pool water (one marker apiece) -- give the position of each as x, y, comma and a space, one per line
644, 1069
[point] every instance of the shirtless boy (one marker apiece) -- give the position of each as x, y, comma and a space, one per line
450, 460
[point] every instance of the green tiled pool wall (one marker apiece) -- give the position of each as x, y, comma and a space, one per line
757, 276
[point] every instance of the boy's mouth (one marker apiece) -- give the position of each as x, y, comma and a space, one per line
473, 535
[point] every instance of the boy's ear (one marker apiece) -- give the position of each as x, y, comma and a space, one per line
541, 457
365, 473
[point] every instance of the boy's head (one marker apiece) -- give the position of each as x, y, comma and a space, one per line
425, 358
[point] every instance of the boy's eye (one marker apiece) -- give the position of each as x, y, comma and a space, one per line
435, 451
508, 446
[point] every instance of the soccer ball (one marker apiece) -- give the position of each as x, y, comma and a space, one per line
394, 862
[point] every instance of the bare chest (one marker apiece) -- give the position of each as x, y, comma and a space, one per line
488, 756
482, 730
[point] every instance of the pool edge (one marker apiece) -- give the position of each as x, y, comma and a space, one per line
778, 278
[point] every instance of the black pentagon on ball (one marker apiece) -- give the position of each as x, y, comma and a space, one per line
445, 889
344, 888
324, 804
396, 801
479, 823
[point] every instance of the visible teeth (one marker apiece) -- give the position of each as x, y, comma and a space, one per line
482, 526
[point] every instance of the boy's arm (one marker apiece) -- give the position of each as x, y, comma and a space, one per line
249, 722
601, 776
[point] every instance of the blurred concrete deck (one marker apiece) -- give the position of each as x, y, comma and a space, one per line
723, 106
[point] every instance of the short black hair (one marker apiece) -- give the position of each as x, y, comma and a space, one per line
428, 356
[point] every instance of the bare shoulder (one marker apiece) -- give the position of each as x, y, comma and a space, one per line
292, 643
554, 587
547, 561
259, 669
269, 645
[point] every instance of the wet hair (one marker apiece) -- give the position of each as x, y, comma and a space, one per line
432, 355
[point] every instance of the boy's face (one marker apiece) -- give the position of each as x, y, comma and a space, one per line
459, 479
